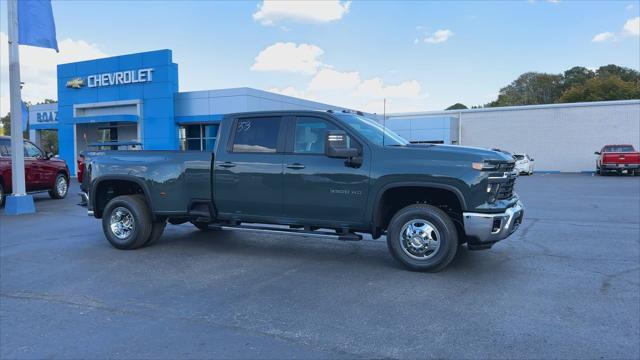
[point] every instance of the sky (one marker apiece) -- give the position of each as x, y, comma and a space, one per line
418, 55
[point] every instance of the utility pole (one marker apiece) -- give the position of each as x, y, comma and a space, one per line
19, 202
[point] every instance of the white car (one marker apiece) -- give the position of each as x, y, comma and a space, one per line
524, 164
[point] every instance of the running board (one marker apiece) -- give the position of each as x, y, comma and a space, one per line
344, 236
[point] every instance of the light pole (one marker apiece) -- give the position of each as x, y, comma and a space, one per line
19, 202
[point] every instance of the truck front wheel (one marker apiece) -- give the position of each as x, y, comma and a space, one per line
126, 222
422, 237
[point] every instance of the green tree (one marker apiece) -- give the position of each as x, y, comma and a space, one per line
610, 87
457, 106
577, 75
6, 126
529, 89
624, 73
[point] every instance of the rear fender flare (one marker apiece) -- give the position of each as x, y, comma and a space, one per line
133, 179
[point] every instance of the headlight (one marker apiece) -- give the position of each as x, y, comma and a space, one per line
482, 166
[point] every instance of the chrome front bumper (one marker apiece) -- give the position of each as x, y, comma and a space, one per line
483, 228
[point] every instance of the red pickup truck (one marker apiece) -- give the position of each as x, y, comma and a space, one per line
617, 158
43, 172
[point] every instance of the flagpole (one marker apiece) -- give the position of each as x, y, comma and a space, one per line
19, 202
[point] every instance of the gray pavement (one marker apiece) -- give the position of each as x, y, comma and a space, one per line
566, 285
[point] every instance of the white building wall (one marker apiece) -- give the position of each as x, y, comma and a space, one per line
559, 138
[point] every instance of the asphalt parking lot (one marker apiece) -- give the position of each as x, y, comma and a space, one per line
566, 285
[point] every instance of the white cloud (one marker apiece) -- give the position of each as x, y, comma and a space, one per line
38, 68
333, 86
439, 36
328, 79
375, 88
603, 36
288, 57
632, 27
311, 11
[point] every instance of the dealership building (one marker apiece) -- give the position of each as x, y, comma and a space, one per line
135, 98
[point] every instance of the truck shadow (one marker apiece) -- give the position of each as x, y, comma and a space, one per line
253, 246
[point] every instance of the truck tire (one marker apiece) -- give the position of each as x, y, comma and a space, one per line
156, 232
422, 238
1, 195
60, 187
126, 222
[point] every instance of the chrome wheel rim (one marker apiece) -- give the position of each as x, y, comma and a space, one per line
122, 223
61, 186
420, 239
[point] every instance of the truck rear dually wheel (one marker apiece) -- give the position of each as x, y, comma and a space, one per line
127, 222
422, 238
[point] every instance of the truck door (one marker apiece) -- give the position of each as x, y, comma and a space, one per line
319, 189
32, 171
248, 169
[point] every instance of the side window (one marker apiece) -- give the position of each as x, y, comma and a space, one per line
309, 135
31, 150
256, 135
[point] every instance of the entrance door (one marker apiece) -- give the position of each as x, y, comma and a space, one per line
319, 188
248, 171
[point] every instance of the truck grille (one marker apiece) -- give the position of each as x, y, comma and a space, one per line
507, 167
505, 191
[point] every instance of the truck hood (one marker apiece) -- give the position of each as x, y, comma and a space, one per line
455, 152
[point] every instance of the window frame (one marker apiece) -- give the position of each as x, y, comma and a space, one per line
201, 137
280, 141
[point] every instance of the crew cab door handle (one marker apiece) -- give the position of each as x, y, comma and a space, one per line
227, 164
295, 166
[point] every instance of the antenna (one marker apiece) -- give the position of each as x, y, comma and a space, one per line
384, 119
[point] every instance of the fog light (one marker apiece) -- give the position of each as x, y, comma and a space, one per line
497, 224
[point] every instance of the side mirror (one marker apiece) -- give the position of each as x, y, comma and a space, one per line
49, 155
336, 146
597, 153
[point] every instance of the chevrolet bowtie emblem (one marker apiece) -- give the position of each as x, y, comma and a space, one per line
76, 83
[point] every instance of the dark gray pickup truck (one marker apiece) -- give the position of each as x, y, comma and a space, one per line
321, 173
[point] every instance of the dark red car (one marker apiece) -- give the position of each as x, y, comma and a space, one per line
43, 172
616, 159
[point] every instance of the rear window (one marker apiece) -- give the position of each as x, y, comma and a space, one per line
618, 148
5, 148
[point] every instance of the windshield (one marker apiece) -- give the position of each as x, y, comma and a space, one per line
518, 157
372, 130
618, 148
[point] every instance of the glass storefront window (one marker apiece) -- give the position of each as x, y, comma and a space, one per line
198, 136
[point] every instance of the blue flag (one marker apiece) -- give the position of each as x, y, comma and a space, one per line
35, 24
25, 116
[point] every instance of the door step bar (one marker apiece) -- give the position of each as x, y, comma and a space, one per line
344, 235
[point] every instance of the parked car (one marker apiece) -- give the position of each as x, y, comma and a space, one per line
43, 171
617, 159
312, 170
524, 164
